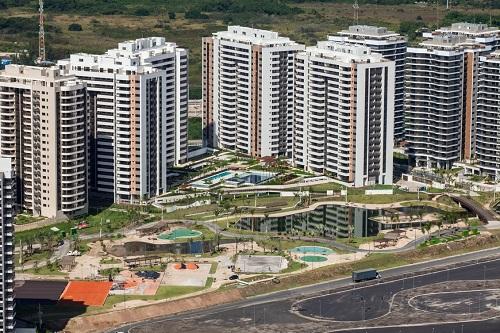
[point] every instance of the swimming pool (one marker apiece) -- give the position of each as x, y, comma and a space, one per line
207, 182
312, 249
234, 178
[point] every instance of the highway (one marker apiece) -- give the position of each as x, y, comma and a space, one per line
271, 312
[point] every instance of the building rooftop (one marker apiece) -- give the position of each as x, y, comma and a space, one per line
369, 31
26, 74
253, 36
132, 55
345, 52
470, 29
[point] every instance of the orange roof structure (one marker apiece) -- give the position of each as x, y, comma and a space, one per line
192, 266
90, 293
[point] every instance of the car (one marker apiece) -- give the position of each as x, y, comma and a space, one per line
234, 277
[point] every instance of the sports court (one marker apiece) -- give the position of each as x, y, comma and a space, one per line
260, 264
90, 293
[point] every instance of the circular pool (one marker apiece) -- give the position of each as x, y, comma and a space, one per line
313, 258
312, 249
180, 233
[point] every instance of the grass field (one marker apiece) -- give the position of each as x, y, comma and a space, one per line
194, 128
101, 32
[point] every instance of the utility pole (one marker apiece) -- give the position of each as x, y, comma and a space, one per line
356, 11
41, 35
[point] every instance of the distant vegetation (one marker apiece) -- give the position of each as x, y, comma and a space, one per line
98, 25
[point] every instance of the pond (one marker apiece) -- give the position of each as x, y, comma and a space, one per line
331, 221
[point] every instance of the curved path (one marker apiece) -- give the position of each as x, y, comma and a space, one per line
341, 246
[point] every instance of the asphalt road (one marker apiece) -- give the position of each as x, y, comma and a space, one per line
489, 326
373, 301
270, 313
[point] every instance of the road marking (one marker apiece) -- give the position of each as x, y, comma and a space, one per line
374, 285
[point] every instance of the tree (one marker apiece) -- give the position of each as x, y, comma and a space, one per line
428, 227
195, 14
141, 12
75, 27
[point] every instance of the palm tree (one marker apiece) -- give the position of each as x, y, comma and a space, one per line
423, 229
428, 227
439, 224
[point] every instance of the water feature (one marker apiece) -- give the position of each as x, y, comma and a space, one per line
331, 221
234, 178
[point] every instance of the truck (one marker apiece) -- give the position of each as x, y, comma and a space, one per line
365, 275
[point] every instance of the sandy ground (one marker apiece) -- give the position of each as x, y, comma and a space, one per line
186, 277
333, 258
135, 285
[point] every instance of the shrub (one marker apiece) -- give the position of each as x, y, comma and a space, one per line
171, 15
141, 12
195, 14
75, 27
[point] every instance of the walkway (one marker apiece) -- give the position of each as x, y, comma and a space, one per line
341, 246
484, 214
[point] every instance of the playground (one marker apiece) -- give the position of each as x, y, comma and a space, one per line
186, 274
137, 283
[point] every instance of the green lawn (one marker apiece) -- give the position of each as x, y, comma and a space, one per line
194, 128
26, 219
108, 261
293, 266
213, 268
117, 220
163, 293
45, 271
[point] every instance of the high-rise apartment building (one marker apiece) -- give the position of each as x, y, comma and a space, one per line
488, 116
43, 129
7, 210
476, 40
392, 46
138, 115
248, 91
344, 113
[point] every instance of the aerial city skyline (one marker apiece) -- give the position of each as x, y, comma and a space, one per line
353, 155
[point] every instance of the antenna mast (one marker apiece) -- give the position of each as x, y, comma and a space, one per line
41, 35
356, 11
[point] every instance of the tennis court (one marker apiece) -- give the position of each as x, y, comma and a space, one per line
90, 293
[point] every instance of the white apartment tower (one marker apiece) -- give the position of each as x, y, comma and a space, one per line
488, 116
476, 40
344, 113
392, 46
7, 210
434, 101
248, 91
43, 129
138, 119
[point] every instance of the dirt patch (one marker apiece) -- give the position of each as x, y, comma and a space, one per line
106, 321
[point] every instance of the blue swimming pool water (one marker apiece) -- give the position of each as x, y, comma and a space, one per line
312, 249
219, 175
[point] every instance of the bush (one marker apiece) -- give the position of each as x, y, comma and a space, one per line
141, 12
171, 15
75, 27
195, 14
